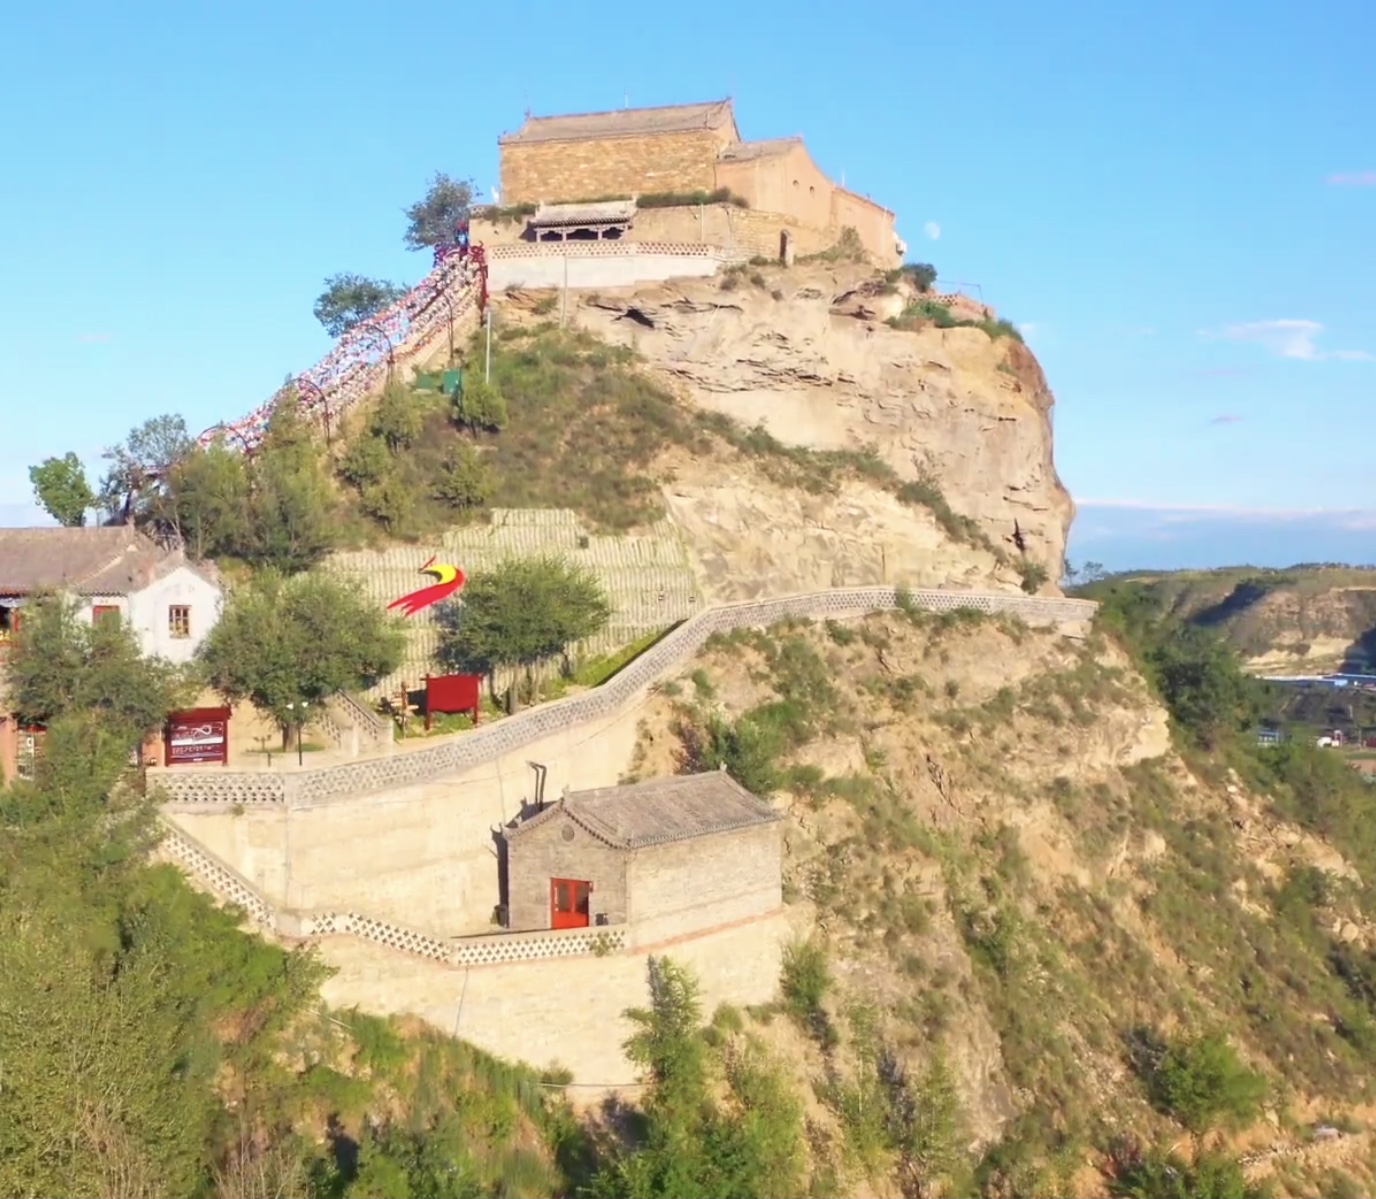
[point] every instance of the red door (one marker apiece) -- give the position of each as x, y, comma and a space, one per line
568, 903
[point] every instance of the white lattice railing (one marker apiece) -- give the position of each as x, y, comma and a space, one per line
219, 787
493, 949
606, 249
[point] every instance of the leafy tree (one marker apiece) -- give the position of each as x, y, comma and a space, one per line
523, 612
433, 219
479, 406
285, 643
61, 665
694, 1147
348, 300
390, 501
140, 484
211, 491
465, 482
60, 486
291, 508
1196, 672
1199, 677
923, 274
398, 419
365, 461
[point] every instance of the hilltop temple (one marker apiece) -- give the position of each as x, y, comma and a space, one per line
674, 177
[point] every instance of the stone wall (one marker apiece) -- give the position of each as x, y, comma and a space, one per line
423, 853
210, 787
733, 233
680, 888
599, 264
218, 787
563, 171
545, 998
543, 852
567, 1012
414, 829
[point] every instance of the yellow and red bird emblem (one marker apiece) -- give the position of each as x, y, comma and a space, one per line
450, 579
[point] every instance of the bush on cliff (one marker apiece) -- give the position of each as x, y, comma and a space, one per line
521, 613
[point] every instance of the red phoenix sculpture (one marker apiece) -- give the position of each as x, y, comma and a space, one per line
450, 579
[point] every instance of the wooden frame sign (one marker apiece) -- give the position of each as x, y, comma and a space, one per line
197, 737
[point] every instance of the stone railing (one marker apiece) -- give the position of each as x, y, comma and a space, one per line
356, 727
493, 949
606, 249
219, 787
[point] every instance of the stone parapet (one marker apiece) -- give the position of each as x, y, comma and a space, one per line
227, 788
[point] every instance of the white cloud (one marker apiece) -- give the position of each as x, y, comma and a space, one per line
1344, 518
1028, 328
1288, 338
1353, 179
932, 230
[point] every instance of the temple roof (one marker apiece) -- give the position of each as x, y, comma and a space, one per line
744, 151
659, 810
606, 212
624, 122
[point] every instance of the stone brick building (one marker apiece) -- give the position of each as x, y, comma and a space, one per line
671, 857
683, 149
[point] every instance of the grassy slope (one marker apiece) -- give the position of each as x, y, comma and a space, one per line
586, 431
979, 859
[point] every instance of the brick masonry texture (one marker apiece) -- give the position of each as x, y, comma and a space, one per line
227, 788
613, 166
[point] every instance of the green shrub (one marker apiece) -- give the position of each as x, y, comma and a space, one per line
480, 407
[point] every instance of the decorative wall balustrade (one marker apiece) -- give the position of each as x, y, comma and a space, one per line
495, 949
219, 788
607, 249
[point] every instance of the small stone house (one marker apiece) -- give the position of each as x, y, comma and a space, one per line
671, 857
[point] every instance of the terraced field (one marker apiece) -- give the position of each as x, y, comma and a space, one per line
648, 577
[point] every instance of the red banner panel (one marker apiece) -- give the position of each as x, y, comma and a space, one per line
453, 693
197, 736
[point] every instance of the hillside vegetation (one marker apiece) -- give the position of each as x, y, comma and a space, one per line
1074, 940
1304, 619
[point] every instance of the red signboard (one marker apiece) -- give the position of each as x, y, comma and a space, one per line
197, 736
453, 693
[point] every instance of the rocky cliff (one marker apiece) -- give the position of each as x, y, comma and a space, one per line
809, 353
1305, 620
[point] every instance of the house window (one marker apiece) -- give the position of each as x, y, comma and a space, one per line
179, 621
104, 612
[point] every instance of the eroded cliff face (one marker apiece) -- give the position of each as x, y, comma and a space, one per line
807, 353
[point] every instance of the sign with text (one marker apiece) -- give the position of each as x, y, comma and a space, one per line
197, 737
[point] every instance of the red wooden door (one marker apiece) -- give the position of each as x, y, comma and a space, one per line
568, 903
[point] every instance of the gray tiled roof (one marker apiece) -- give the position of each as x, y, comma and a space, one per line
112, 560
659, 810
606, 212
623, 122
744, 151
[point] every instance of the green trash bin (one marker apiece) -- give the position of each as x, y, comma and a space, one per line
427, 382
451, 383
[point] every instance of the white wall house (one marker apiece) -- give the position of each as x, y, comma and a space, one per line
169, 603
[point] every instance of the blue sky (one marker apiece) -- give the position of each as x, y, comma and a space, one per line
1177, 200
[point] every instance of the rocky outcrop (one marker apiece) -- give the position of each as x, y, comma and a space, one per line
807, 353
